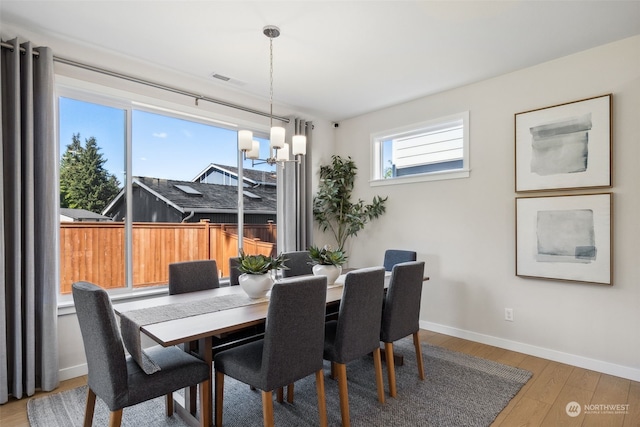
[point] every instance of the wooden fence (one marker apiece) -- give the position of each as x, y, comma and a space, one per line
94, 251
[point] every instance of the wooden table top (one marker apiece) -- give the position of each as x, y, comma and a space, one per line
192, 328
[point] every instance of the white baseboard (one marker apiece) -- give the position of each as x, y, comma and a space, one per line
545, 353
73, 372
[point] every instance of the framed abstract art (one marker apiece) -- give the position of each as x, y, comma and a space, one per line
565, 238
566, 146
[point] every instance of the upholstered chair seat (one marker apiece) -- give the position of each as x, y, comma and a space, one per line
117, 379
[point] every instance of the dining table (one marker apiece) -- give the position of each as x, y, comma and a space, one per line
201, 328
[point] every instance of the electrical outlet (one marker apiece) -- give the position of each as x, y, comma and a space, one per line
508, 314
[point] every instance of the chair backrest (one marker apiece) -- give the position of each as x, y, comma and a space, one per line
234, 273
102, 342
358, 328
298, 264
401, 313
396, 256
294, 330
191, 276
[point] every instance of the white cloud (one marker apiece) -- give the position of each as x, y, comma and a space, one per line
160, 134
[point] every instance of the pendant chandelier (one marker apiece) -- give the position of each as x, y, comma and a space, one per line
278, 149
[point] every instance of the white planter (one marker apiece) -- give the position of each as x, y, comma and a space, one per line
331, 271
256, 285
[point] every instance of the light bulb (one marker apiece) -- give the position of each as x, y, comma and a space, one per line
283, 153
277, 137
299, 143
245, 138
254, 152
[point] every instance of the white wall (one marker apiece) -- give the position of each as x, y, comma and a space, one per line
464, 229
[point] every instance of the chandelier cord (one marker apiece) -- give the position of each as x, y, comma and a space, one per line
271, 81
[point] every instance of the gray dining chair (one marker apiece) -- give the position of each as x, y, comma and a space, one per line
396, 256
234, 273
191, 276
401, 314
298, 263
356, 332
291, 348
116, 379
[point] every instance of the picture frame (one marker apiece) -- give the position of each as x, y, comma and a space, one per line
565, 238
565, 146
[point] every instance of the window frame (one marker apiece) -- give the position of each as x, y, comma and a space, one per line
84, 91
376, 148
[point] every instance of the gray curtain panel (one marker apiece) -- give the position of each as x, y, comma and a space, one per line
294, 195
29, 269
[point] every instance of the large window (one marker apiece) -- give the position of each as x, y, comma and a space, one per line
437, 149
141, 187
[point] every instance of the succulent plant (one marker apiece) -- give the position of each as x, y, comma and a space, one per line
326, 256
260, 264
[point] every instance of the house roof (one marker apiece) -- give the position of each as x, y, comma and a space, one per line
82, 214
190, 196
251, 176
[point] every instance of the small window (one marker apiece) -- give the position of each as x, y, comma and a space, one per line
433, 150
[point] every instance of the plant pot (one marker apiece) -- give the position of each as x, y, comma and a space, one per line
331, 271
256, 285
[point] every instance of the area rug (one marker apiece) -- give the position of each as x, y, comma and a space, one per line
459, 390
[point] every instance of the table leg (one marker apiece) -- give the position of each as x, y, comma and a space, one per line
206, 395
186, 408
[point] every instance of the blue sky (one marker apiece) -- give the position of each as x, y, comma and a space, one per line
163, 147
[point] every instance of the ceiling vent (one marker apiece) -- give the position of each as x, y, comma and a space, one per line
220, 77
226, 79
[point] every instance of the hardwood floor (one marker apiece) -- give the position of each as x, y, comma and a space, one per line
541, 402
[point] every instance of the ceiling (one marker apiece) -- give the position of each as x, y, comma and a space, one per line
334, 59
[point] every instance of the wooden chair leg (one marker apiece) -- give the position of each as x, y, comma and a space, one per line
280, 394
115, 418
267, 409
219, 398
322, 402
290, 393
416, 343
391, 368
377, 363
333, 371
341, 373
169, 404
89, 408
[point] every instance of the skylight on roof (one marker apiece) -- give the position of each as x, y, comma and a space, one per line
188, 190
251, 195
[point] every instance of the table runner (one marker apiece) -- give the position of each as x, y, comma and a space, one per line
132, 321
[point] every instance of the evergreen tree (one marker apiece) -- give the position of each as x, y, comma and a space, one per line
84, 182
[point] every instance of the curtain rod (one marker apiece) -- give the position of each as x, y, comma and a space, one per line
197, 97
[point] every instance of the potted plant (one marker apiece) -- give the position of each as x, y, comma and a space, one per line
256, 279
332, 206
327, 262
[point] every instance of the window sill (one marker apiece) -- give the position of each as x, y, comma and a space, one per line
66, 306
433, 176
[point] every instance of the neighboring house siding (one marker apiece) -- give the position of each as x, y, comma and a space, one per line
148, 208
